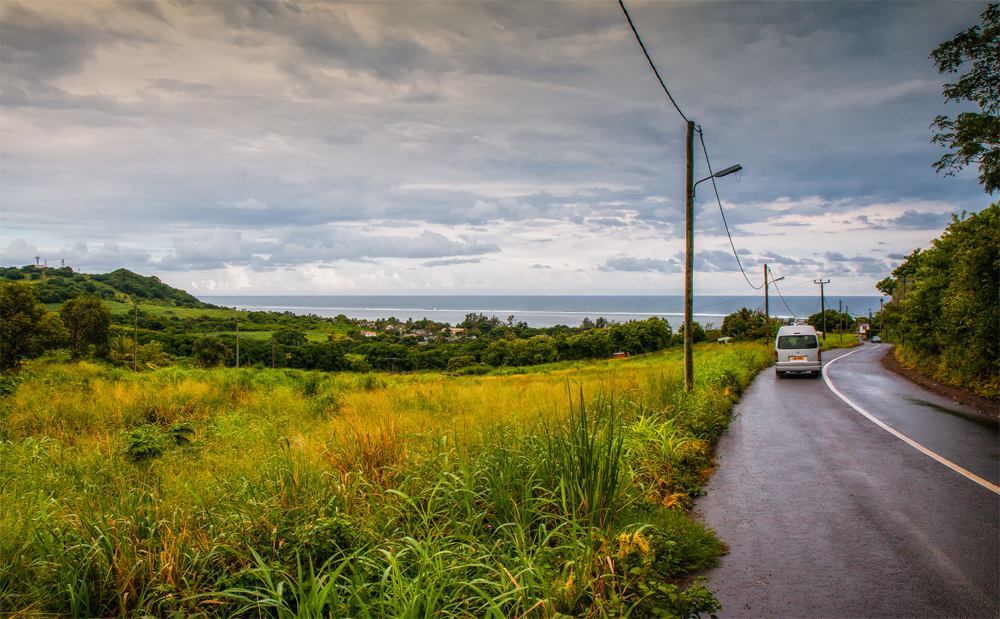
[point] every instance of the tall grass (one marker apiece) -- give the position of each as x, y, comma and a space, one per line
285, 493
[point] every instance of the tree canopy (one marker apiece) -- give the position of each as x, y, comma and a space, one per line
951, 310
21, 330
88, 321
973, 137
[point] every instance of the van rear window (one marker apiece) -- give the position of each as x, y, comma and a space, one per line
798, 341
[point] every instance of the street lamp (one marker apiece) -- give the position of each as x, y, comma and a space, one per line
689, 255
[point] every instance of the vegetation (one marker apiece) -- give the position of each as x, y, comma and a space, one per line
835, 322
26, 329
55, 285
169, 326
973, 136
87, 322
945, 312
223, 492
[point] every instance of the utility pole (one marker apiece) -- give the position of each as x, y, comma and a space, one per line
767, 310
822, 304
135, 337
237, 344
689, 262
840, 313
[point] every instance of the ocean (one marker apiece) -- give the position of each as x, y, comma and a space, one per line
540, 310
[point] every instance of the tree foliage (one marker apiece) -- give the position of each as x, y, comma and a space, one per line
973, 137
87, 321
56, 285
209, 351
23, 324
834, 321
744, 324
951, 310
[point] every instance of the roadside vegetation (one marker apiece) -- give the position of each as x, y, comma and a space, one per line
378, 469
137, 322
258, 492
945, 309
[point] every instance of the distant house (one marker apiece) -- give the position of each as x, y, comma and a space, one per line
368, 334
863, 329
620, 355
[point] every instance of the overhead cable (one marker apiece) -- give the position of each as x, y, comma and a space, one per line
782, 297
701, 137
650, 60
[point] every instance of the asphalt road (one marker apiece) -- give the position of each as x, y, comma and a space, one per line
827, 514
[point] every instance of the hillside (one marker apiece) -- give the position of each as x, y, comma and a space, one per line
56, 285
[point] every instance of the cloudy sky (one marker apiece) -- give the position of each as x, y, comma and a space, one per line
473, 147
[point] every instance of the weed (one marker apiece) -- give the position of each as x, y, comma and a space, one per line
345, 495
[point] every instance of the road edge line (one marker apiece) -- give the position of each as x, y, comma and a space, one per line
909, 441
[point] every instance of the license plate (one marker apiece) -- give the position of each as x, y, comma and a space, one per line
796, 358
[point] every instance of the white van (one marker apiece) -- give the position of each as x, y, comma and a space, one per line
796, 349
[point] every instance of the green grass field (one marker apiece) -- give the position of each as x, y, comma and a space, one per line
563, 491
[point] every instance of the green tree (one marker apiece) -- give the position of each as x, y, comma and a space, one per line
288, 336
974, 137
887, 286
87, 320
21, 324
209, 352
951, 312
744, 323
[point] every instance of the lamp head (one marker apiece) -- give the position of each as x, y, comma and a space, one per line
728, 171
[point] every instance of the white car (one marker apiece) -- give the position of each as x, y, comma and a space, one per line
796, 349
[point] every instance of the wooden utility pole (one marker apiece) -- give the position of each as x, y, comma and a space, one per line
689, 263
237, 344
822, 304
767, 310
840, 312
135, 337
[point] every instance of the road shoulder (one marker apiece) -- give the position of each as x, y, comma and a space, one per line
981, 404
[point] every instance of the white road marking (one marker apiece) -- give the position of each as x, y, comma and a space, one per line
909, 441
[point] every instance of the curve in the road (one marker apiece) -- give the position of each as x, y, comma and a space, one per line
912, 443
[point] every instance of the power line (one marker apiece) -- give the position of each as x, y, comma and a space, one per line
776, 289
701, 136
650, 60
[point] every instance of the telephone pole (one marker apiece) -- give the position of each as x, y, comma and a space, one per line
822, 304
689, 261
767, 309
689, 251
840, 311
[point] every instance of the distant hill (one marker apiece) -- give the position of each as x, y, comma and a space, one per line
56, 285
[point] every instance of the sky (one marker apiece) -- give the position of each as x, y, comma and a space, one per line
474, 147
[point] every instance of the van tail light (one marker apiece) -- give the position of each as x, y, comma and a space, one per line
775, 356
819, 356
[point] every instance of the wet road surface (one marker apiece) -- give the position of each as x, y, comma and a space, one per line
828, 515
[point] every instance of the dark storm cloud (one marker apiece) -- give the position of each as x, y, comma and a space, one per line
34, 47
269, 134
